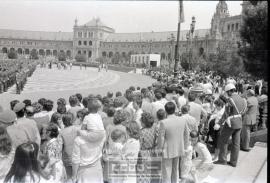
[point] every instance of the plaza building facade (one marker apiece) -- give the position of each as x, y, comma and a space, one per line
94, 39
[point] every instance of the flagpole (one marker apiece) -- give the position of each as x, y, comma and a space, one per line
176, 57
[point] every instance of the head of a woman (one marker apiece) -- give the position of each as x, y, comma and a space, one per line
52, 131
147, 120
133, 130
119, 117
25, 161
5, 141
56, 118
67, 119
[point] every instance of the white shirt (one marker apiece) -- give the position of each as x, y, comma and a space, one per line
93, 122
203, 152
182, 101
86, 153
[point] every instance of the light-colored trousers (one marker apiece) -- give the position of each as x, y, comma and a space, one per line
170, 172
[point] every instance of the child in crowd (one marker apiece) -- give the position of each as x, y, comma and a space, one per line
203, 162
113, 155
131, 150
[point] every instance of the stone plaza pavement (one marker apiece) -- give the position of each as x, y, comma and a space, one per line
53, 83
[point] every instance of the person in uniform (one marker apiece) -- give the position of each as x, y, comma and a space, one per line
232, 124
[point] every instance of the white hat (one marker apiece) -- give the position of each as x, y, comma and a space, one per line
229, 86
208, 92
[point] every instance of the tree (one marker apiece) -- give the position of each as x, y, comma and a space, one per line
62, 56
102, 60
80, 58
254, 39
12, 54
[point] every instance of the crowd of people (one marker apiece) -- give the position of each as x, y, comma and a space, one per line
15, 72
174, 130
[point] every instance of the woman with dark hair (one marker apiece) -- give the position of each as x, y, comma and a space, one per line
6, 153
53, 149
148, 145
25, 167
57, 119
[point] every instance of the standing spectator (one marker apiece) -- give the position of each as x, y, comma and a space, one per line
181, 99
25, 167
108, 120
191, 121
68, 134
176, 140
196, 110
28, 125
53, 150
7, 151
137, 105
74, 106
249, 119
148, 145
17, 135
131, 150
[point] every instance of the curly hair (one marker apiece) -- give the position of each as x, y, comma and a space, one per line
133, 130
147, 119
61, 101
37, 107
53, 130
5, 141
120, 116
119, 101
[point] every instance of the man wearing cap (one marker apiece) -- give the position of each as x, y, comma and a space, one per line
249, 119
232, 121
28, 125
8, 121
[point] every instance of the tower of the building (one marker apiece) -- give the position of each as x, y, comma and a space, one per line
221, 12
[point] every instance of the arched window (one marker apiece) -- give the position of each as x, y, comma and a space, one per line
54, 52
84, 43
104, 54
228, 28
4, 50
232, 27
90, 43
89, 54
110, 54
19, 51
79, 43
79, 52
236, 26
26, 51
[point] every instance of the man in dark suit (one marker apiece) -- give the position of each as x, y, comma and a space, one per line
232, 120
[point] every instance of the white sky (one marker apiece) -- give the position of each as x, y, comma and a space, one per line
123, 16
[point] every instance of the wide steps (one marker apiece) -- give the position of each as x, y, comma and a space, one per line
251, 168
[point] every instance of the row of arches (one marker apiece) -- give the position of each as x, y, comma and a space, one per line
41, 52
110, 54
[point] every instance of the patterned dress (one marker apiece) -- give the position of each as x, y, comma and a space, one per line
53, 150
147, 155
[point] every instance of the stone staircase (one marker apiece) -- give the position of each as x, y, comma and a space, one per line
251, 168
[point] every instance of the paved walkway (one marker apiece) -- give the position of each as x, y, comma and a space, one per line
53, 84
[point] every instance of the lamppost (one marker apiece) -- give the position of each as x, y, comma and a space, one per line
190, 38
171, 39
